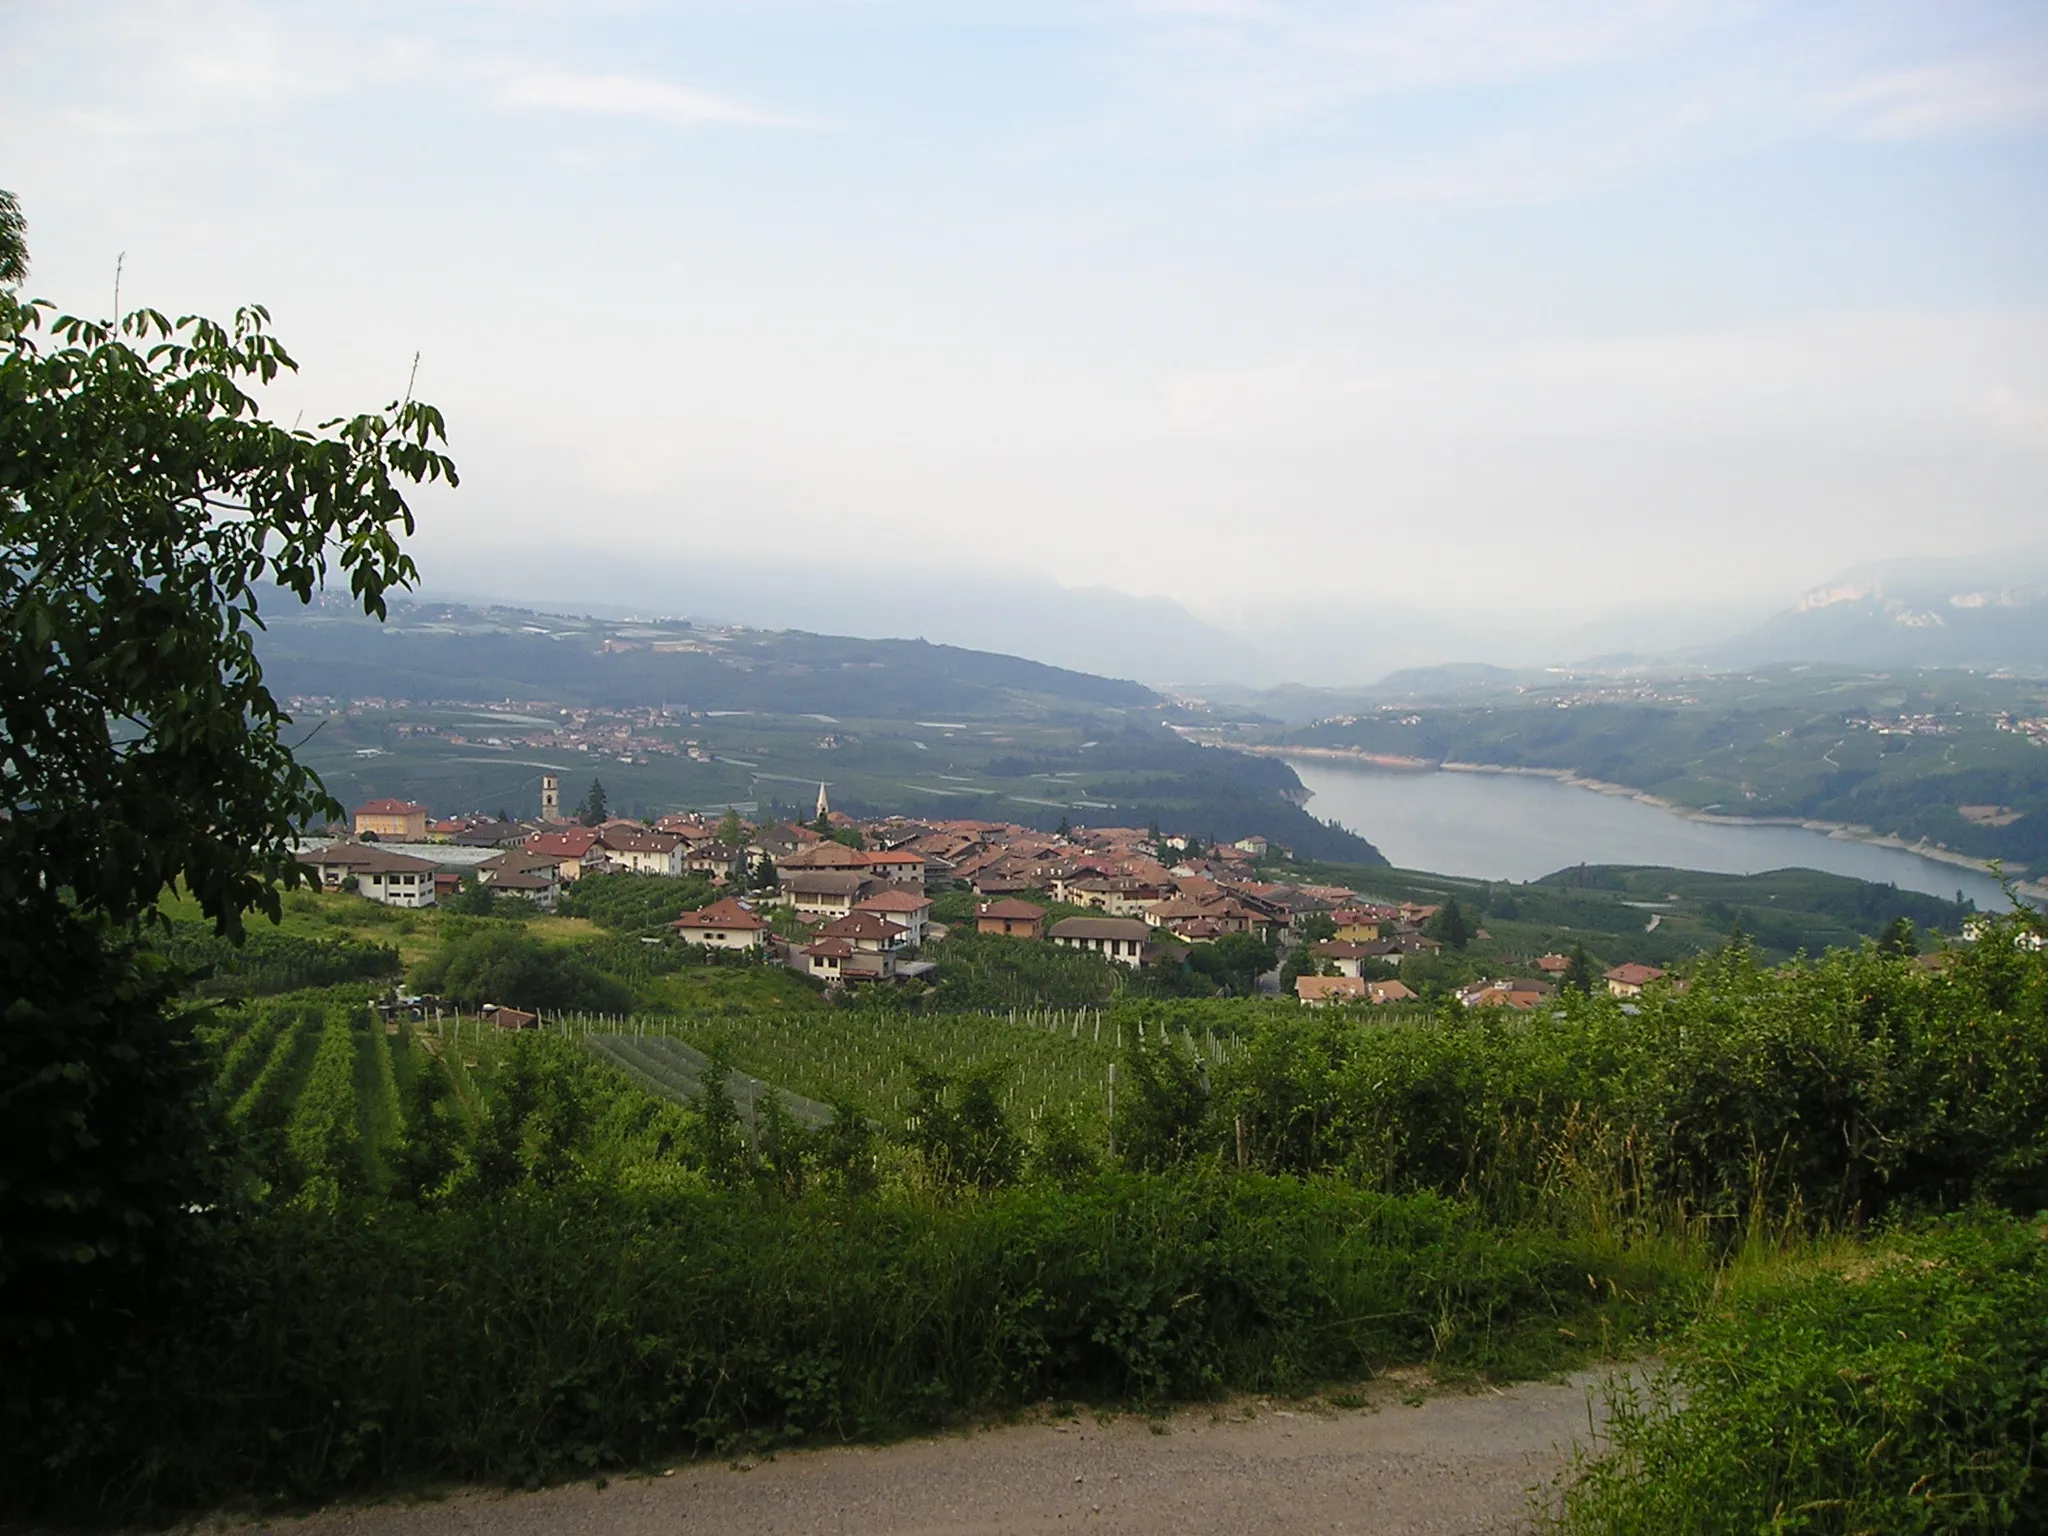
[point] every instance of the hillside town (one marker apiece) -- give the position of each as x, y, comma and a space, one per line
848, 900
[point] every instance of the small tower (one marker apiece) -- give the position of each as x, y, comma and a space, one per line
550, 797
824, 805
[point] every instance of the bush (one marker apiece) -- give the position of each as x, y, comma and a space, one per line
1905, 1392
551, 1333
500, 964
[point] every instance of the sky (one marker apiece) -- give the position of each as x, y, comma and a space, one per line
1366, 333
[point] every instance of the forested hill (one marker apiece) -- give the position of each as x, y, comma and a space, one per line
449, 650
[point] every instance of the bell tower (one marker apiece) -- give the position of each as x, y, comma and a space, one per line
550, 797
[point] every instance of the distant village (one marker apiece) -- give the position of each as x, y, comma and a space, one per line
859, 894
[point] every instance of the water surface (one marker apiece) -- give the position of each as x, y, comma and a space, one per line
1502, 826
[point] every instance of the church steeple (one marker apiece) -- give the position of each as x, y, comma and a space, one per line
824, 805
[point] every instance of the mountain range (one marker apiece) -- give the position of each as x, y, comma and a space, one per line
1985, 612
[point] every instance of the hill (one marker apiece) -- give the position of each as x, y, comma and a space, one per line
464, 708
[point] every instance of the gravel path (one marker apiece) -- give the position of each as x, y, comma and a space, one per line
1456, 1462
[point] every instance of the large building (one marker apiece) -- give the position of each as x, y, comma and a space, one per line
1125, 940
394, 820
395, 879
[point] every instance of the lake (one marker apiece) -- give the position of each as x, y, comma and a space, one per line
1504, 826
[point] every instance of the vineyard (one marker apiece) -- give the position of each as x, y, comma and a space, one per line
321, 1086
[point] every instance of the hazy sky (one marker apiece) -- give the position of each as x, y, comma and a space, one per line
1509, 308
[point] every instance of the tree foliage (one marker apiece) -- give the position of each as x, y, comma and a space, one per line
147, 509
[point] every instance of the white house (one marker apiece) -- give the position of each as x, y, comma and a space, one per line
722, 925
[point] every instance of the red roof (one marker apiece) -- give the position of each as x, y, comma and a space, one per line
863, 925
829, 948
1634, 974
390, 807
1011, 908
893, 899
727, 913
564, 845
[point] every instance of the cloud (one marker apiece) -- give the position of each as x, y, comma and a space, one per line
635, 96
1974, 96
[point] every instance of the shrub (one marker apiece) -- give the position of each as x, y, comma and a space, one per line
1907, 1391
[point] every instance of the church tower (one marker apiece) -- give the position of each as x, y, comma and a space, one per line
550, 798
824, 805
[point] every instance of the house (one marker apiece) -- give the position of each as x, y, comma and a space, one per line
403, 819
899, 866
1010, 918
1255, 846
576, 851
1388, 992
523, 873
1350, 957
714, 859
1125, 940
1553, 965
865, 930
1357, 925
641, 851
824, 892
1507, 993
835, 961
908, 908
395, 879
1320, 991
509, 1018
1629, 980
826, 855
725, 924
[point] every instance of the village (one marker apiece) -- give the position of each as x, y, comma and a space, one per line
854, 901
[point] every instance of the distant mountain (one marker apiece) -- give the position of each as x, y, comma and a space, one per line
1988, 613
459, 651
1011, 611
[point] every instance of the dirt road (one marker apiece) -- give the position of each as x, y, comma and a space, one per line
1454, 1463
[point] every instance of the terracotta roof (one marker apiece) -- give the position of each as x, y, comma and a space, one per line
1013, 909
823, 882
1327, 989
829, 948
894, 899
727, 913
1389, 992
564, 845
825, 855
863, 925
1634, 974
390, 807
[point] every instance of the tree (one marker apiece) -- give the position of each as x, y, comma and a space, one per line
1899, 940
1235, 962
1065, 830
1449, 926
1578, 971
732, 832
594, 808
147, 508
13, 241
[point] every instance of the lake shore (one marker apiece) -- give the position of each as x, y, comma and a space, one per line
1847, 831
